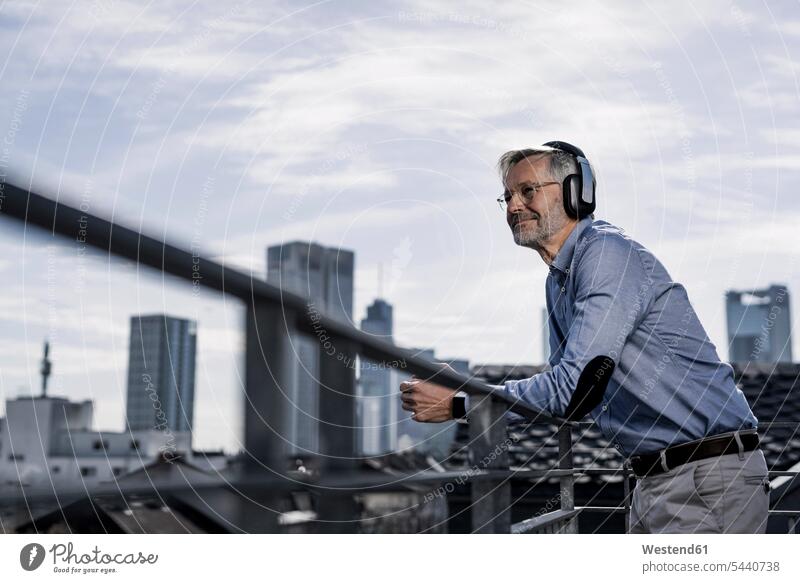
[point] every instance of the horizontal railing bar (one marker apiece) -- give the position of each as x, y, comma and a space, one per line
601, 471
364, 483
609, 509
393, 481
614, 471
543, 521
622, 509
72, 223
156, 488
348, 481
761, 424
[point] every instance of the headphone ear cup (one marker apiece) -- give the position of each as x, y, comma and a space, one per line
571, 190
576, 193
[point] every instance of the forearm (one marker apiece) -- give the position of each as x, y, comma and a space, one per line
472, 400
558, 393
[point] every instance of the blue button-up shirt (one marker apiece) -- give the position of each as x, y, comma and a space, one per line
608, 295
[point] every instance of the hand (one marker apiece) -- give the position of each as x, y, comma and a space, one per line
429, 402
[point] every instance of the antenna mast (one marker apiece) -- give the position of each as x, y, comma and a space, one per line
46, 368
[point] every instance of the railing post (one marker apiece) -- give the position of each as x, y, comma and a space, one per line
626, 488
567, 481
338, 511
268, 359
491, 499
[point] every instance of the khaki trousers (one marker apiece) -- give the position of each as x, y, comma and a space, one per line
723, 494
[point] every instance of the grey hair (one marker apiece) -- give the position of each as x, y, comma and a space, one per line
562, 164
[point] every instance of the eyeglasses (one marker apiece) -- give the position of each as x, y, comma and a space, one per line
526, 194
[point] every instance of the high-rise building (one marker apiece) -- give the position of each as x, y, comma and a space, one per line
759, 325
322, 274
379, 321
325, 276
378, 403
161, 371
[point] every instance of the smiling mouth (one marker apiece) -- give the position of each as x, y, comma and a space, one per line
519, 222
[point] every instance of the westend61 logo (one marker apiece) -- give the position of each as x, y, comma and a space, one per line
66, 560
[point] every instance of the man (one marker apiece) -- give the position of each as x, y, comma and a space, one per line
670, 405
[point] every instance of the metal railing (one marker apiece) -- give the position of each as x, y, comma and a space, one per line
793, 516
273, 315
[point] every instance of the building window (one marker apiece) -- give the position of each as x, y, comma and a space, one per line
117, 471
16, 457
55, 469
88, 471
134, 444
100, 444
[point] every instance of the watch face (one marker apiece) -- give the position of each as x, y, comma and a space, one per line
459, 409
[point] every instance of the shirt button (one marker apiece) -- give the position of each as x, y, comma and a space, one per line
563, 288
605, 407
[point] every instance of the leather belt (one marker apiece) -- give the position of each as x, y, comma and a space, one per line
662, 461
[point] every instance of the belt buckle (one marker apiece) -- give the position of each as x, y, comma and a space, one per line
641, 469
662, 456
658, 465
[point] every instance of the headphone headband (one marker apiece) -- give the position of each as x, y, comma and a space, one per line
565, 147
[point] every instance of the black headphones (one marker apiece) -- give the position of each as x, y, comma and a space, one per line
583, 184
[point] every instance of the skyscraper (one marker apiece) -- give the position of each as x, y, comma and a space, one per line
161, 370
325, 276
378, 402
759, 325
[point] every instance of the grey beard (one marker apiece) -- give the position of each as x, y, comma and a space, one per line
545, 229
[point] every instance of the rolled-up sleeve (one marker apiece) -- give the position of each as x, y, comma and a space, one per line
613, 294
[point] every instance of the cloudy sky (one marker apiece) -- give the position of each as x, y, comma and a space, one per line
376, 127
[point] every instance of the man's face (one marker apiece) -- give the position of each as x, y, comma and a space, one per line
534, 222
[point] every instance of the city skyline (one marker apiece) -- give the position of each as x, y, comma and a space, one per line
375, 326
215, 128
52, 440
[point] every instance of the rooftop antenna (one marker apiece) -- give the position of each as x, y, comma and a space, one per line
380, 280
46, 368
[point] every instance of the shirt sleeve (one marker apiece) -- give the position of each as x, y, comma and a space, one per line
613, 294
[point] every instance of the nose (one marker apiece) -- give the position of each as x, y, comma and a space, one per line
515, 205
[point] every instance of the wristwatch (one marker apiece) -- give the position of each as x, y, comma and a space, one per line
458, 407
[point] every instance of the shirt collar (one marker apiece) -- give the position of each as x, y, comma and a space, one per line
563, 258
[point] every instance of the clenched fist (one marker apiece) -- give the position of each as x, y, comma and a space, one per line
429, 402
